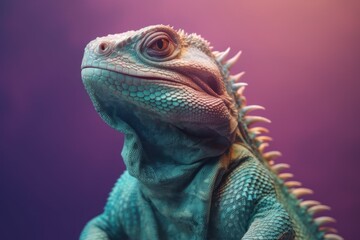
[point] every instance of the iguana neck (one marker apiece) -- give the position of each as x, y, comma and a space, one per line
159, 154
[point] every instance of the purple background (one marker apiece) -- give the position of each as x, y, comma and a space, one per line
58, 160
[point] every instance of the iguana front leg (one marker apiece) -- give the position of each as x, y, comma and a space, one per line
270, 221
100, 229
120, 218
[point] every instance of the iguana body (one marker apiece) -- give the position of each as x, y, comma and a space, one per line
195, 168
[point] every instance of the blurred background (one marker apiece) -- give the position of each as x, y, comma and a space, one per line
59, 160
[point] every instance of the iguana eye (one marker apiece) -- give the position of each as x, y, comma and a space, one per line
159, 46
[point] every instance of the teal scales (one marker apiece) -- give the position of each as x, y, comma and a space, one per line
196, 165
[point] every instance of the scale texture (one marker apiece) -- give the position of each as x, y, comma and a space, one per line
196, 164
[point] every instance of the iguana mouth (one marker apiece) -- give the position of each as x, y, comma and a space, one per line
196, 83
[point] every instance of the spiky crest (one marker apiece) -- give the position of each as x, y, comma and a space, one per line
258, 143
196, 40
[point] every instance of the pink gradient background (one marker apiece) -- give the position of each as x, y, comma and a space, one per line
58, 160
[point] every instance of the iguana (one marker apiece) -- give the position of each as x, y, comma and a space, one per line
196, 165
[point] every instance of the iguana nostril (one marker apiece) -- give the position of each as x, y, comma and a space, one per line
104, 48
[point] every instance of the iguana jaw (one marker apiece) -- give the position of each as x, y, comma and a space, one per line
211, 88
170, 101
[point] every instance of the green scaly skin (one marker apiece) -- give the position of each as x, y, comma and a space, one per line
195, 168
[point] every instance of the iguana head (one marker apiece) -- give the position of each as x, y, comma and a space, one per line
168, 74
167, 91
